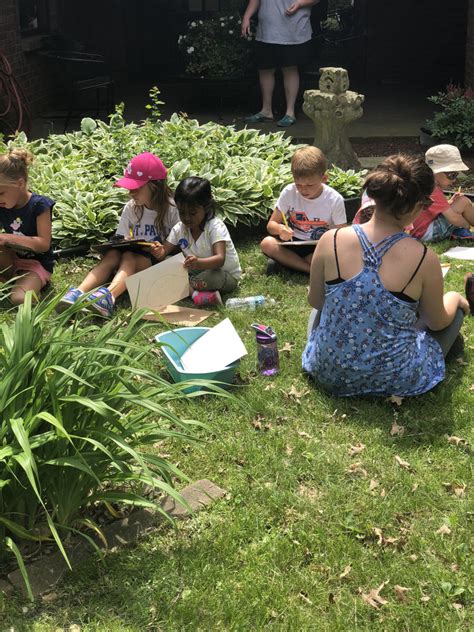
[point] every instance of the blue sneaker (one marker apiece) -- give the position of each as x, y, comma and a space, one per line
69, 298
102, 302
462, 234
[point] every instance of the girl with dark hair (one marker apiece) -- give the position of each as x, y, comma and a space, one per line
210, 256
385, 326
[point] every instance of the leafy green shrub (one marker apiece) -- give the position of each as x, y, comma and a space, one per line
247, 169
347, 183
455, 121
215, 48
78, 416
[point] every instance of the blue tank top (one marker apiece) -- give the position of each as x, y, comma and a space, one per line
366, 342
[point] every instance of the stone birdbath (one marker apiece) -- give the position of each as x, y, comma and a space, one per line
332, 108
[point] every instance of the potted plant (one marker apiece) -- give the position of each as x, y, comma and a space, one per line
349, 184
454, 122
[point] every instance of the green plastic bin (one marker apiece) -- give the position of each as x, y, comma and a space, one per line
175, 343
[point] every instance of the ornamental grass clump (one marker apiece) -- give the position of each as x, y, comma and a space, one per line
79, 414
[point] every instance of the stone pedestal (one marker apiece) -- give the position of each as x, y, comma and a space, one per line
332, 108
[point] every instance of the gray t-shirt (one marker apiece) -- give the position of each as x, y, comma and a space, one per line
274, 27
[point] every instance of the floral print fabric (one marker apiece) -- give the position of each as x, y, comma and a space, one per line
366, 341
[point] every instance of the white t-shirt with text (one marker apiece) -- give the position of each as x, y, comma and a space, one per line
214, 231
144, 227
305, 215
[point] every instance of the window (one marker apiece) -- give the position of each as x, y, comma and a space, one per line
33, 16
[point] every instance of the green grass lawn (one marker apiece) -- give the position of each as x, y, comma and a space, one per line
328, 500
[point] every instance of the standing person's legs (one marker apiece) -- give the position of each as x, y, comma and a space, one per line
291, 82
267, 85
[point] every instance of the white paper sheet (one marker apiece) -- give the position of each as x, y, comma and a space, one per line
461, 252
215, 350
163, 284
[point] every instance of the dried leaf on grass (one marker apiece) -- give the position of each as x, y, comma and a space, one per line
302, 595
356, 449
401, 591
395, 399
396, 430
404, 464
373, 597
443, 530
457, 489
461, 361
296, 394
287, 347
453, 440
373, 485
356, 469
382, 540
471, 388
304, 434
345, 572
288, 450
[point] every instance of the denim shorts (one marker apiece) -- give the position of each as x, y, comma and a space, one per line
439, 229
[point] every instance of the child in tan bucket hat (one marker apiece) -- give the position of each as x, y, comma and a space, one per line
445, 219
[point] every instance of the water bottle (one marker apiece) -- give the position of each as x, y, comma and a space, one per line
267, 350
249, 302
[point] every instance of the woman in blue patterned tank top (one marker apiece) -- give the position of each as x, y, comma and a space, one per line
374, 285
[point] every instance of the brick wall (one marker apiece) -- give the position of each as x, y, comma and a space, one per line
29, 68
469, 74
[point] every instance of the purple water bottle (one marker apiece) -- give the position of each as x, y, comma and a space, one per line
267, 350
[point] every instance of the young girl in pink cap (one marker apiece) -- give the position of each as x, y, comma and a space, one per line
149, 216
25, 246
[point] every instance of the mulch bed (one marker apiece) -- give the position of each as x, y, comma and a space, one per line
385, 146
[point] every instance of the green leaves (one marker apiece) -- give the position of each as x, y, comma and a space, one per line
247, 169
454, 121
75, 428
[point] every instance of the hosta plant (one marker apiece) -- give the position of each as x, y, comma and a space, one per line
80, 413
247, 169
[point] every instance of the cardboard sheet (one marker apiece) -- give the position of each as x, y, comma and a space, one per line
178, 315
215, 350
163, 284
461, 252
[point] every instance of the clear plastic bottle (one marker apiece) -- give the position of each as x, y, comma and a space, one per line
249, 302
268, 362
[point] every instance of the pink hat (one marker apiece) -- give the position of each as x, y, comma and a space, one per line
141, 170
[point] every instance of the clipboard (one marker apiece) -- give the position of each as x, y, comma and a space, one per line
133, 245
305, 242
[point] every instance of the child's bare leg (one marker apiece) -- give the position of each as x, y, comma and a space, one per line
28, 281
464, 207
6, 263
102, 271
130, 263
285, 255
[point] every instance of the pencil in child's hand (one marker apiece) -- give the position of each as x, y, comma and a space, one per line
283, 216
131, 232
